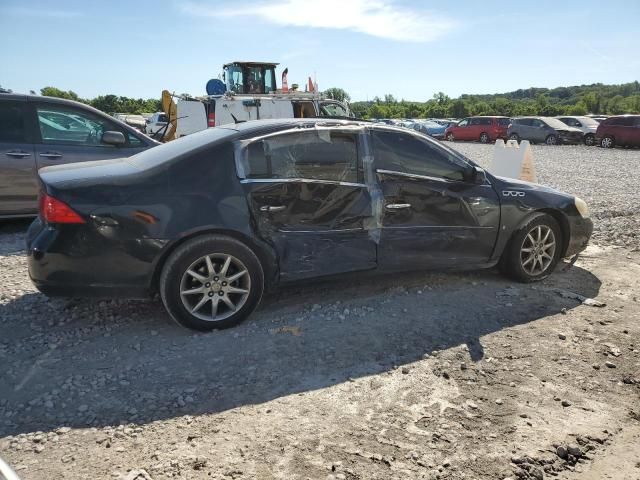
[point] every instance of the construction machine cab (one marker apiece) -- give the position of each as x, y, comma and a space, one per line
250, 77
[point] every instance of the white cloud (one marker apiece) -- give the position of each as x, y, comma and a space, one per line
378, 18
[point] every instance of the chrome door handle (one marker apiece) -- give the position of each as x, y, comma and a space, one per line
398, 206
18, 154
51, 155
269, 208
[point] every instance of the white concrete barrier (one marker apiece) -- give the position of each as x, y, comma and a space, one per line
513, 160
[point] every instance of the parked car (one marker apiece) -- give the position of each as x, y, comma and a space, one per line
621, 131
136, 121
586, 125
212, 219
430, 128
484, 129
38, 131
156, 124
543, 130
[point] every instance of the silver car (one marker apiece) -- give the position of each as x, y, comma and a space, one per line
37, 131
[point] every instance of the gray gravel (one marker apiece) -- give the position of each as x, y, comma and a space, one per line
608, 180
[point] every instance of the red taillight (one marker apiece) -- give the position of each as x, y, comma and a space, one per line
53, 210
211, 119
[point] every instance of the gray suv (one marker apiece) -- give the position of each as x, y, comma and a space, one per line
37, 132
543, 130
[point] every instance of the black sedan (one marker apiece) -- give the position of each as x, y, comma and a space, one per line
211, 220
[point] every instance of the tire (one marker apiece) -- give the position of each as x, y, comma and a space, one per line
190, 301
590, 140
607, 142
450, 137
484, 137
517, 263
551, 140
514, 136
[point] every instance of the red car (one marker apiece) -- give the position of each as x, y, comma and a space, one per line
621, 130
485, 129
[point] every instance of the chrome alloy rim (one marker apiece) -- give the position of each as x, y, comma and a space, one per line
215, 286
607, 142
551, 140
538, 250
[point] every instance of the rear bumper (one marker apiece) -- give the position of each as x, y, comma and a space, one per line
581, 230
75, 260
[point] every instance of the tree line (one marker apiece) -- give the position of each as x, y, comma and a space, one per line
109, 103
578, 100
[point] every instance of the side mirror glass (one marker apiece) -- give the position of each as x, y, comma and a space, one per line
477, 175
111, 137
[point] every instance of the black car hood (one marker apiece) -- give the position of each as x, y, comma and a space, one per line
529, 186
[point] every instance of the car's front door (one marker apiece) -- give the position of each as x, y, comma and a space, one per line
307, 195
70, 134
436, 212
18, 184
462, 130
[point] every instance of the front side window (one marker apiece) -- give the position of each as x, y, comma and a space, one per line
333, 110
410, 154
12, 123
464, 123
317, 155
69, 126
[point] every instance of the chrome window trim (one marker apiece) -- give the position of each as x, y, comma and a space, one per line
301, 180
413, 175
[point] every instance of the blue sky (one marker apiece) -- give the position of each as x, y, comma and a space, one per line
410, 49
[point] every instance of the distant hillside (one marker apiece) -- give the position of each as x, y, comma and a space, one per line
576, 100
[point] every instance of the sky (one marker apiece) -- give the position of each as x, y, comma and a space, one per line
410, 49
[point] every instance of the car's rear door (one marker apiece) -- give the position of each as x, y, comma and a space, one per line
69, 134
433, 216
306, 193
18, 184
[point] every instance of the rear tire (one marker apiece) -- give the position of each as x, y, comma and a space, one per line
534, 250
607, 142
203, 286
589, 140
484, 137
514, 136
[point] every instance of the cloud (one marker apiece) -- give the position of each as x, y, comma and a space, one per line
39, 12
378, 18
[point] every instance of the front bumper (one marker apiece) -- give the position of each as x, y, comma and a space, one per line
570, 139
580, 233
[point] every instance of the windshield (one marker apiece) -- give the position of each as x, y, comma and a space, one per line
555, 123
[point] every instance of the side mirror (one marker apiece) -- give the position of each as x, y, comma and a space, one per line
111, 137
477, 175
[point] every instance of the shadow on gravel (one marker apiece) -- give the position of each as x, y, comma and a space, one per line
12, 233
89, 363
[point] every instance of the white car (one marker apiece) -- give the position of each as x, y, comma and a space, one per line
157, 122
587, 125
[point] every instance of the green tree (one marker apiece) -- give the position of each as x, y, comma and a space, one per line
458, 109
337, 94
56, 92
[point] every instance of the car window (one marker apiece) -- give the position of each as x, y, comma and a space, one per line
638, 122
333, 110
504, 122
524, 121
406, 153
12, 123
538, 123
486, 121
317, 155
475, 121
463, 123
69, 126
624, 121
162, 118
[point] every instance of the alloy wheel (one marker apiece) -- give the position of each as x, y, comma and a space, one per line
514, 136
484, 138
589, 140
450, 137
551, 140
607, 142
215, 286
538, 250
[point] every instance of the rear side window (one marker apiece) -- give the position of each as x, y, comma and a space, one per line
317, 155
12, 123
405, 153
622, 121
504, 122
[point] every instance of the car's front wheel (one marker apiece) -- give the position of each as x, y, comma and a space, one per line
534, 250
211, 282
484, 137
607, 142
514, 136
551, 140
589, 140
450, 137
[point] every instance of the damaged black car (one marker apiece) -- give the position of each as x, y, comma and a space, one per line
213, 219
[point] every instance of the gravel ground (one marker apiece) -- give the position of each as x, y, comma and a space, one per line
417, 376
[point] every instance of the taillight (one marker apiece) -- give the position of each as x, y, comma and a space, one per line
211, 119
53, 210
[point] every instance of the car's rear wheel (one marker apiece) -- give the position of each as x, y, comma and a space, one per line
551, 140
211, 282
514, 136
534, 250
607, 142
484, 137
589, 140
450, 137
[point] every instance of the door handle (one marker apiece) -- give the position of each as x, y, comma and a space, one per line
18, 154
269, 208
51, 155
397, 206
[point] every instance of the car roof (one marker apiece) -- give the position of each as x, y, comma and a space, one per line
268, 124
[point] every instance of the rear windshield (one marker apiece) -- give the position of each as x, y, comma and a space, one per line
165, 153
